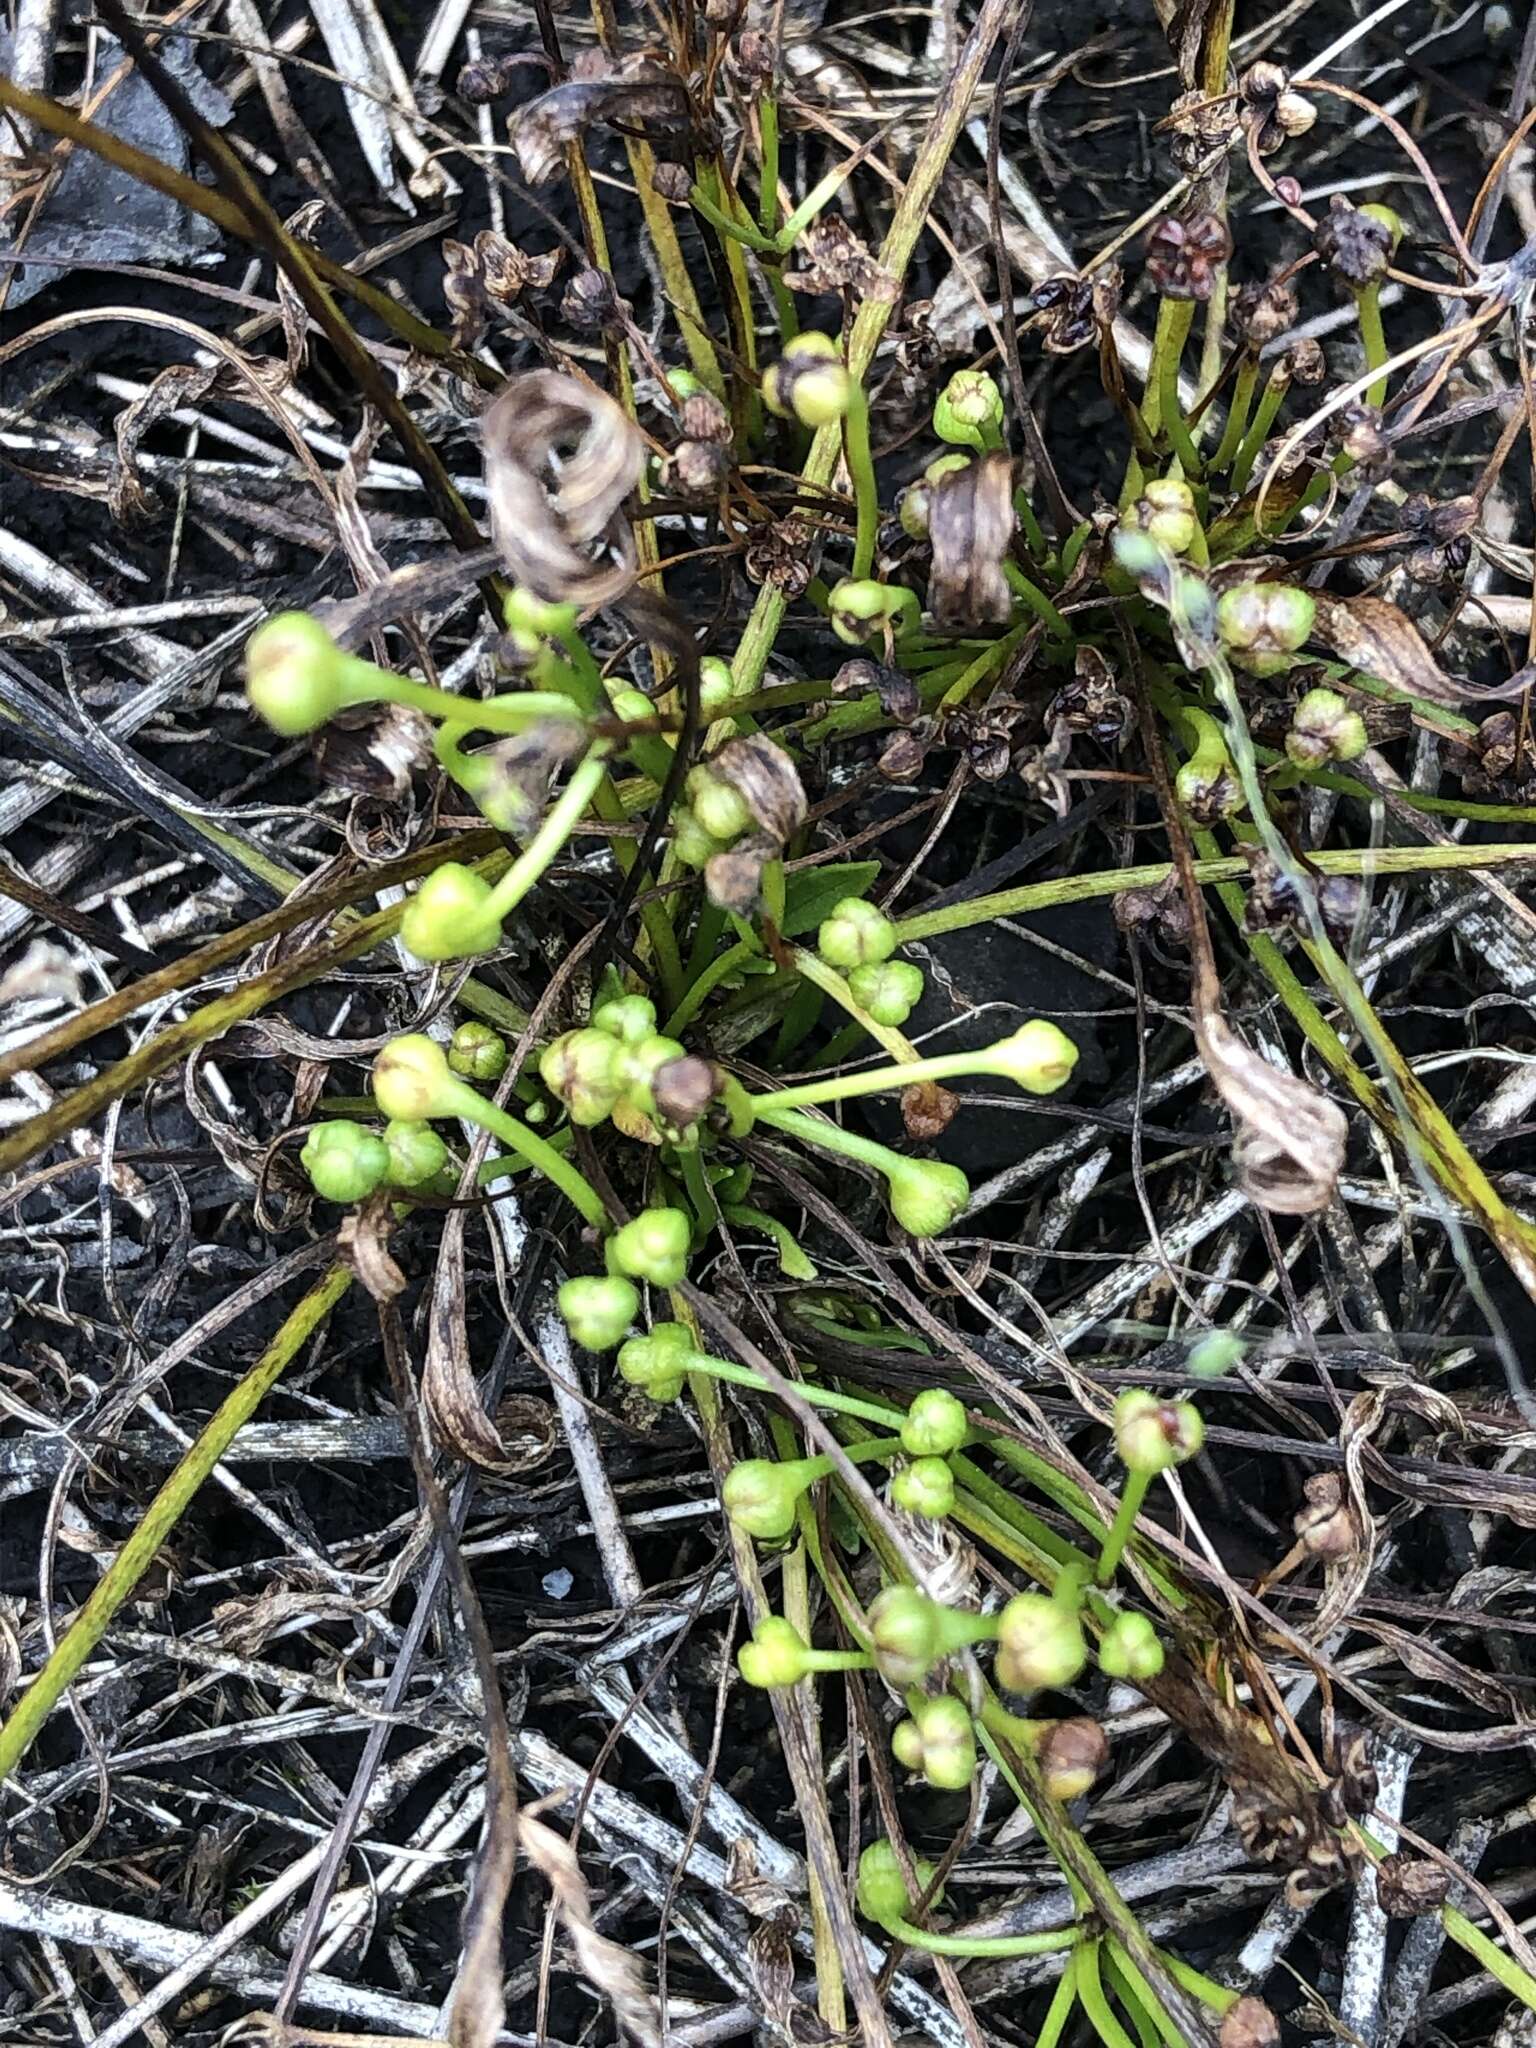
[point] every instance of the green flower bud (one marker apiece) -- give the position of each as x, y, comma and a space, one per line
882, 1890
598, 1312
717, 805
856, 934
1152, 1435
1039, 1644
1324, 729
412, 1081
477, 1052
888, 990
582, 1069
1129, 1648
294, 674
906, 1634
946, 1743
925, 1487
629, 1019
969, 412
526, 612
416, 1153
1071, 1755
907, 1745
1037, 1057
632, 706
777, 1654
1165, 512
809, 382
446, 918
858, 609
345, 1161
926, 1195
717, 686
1264, 623
659, 1363
1137, 553
692, 845
653, 1246
683, 383
761, 1494
936, 1424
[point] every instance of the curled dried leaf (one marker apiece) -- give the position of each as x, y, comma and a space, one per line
639, 92
1288, 1148
609, 1968
1374, 637
546, 525
970, 526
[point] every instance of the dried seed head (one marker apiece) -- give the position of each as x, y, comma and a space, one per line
1355, 242
509, 271
1262, 312
1249, 2024
766, 780
927, 1111
704, 418
1072, 319
896, 690
699, 468
902, 757
1304, 361
1410, 1885
674, 183
753, 54
1326, 1526
683, 1089
592, 305
734, 880
782, 554
1340, 899
1358, 432
1183, 256
1271, 112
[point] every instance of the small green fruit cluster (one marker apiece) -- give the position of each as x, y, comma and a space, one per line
1152, 1435
1262, 625
612, 1066
858, 939
969, 411
859, 608
1325, 729
1040, 1644
346, 1161
810, 382
659, 1362
1166, 513
1129, 1648
882, 1890
940, 1741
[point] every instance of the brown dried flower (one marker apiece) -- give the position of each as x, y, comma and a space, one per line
970, 528
1271, 113
1326, 1527
1355, 245
1260, 313
1184, 255
927, 1110
1410, 1885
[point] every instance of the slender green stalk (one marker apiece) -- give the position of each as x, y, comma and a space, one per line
866, 492
1237, 414
818, 1397
1175, 317
1368, 308
947, 1066
1270, 401
536, 1152
828, 1137
545, 846
1059, 2011
1517, 1982
1090, 1989
1045, 1944
118, 1581
1033, 596
1136, 1484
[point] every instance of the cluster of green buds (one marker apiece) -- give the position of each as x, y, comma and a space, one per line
1325, 728
620, 1066
1166, 513
969, 412
1262, 625
939, 1740
860, 608
1129, 1648
858, 939
810, 382
1040, 1643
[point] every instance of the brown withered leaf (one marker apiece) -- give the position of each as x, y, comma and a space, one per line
363, 1241
448, 1393
132, 501
970, 526
607, 1966
638, 93
1374, 637
1288, 1145
833, 259
546, 524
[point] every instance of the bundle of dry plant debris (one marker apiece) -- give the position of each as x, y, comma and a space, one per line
766, 1035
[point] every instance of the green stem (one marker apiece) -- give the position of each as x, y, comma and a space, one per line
812, 1130
812, 968
363, 682
1271, 399
1237, 415
1059, 2011
704, 986
1519, 1983
818, 1397
866, 492
948, 1066
1037, 601
562, 819
464, 1101
1048, 1943
1136, 1484
118, 1581
1090, 1989
1175, 317
1368, 308
1217, 1997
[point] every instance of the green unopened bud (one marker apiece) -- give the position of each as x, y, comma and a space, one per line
1071, 1754
1129, 1648
412, 1081
855, 934
524, 611
889, 990
777, 1654
925, 1487
969, 412
717, 804
907, 1745
860, 608
1037, 1057
582, 1069
935, 1425
294, 674
1165, 512
446, 918
1263, 624
653, 1247
717, 686
659, 1363
926, 1195
809, 382
477, 1052
416, 1153
598, 1312
691, 844
906, 1634
942, 1744
1039, 1644
1152, 1435
761, 1495
345, 1161
1324, 729
629, 1019
882, 1890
